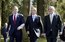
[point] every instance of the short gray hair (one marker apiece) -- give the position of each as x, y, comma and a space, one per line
52, 7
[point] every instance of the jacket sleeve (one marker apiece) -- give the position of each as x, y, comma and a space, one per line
59, 23
41, 25
22, 19
8, 24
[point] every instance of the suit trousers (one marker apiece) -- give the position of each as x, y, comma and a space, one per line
50, 38
16, 36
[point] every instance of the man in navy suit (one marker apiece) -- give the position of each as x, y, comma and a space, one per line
4, 32
16, 23
52, 23
33, 25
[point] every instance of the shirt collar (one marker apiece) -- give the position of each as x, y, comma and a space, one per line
34, 15
15, 14
53, 14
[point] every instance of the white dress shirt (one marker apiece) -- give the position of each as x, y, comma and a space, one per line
34, 16
15, 16
51, 17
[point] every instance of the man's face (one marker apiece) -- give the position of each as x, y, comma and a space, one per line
33, 11
15, 10
50, 10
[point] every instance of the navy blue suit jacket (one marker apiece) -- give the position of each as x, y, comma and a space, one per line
19, 21
31, 25
55, 26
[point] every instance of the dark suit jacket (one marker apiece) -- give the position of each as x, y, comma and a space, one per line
19, 21
55, 26
3, 31
62, 37
31, 25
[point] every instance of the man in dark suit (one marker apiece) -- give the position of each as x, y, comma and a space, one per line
16, 23
33, 25
52, 23
4, 32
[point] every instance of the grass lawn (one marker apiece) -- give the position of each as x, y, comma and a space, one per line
42, 40
39, 40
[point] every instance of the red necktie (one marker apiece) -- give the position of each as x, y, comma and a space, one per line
14, 20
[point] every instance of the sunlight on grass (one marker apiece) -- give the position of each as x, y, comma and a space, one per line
39, 40
2, 40
42, 40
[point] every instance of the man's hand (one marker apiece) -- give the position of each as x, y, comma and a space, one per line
18, 28
21, 26
60, 33
7, 34
43, 34
27, 32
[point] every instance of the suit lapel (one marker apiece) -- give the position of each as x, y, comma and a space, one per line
53, 21
17, 19
31, 19
12, 18
49, 19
